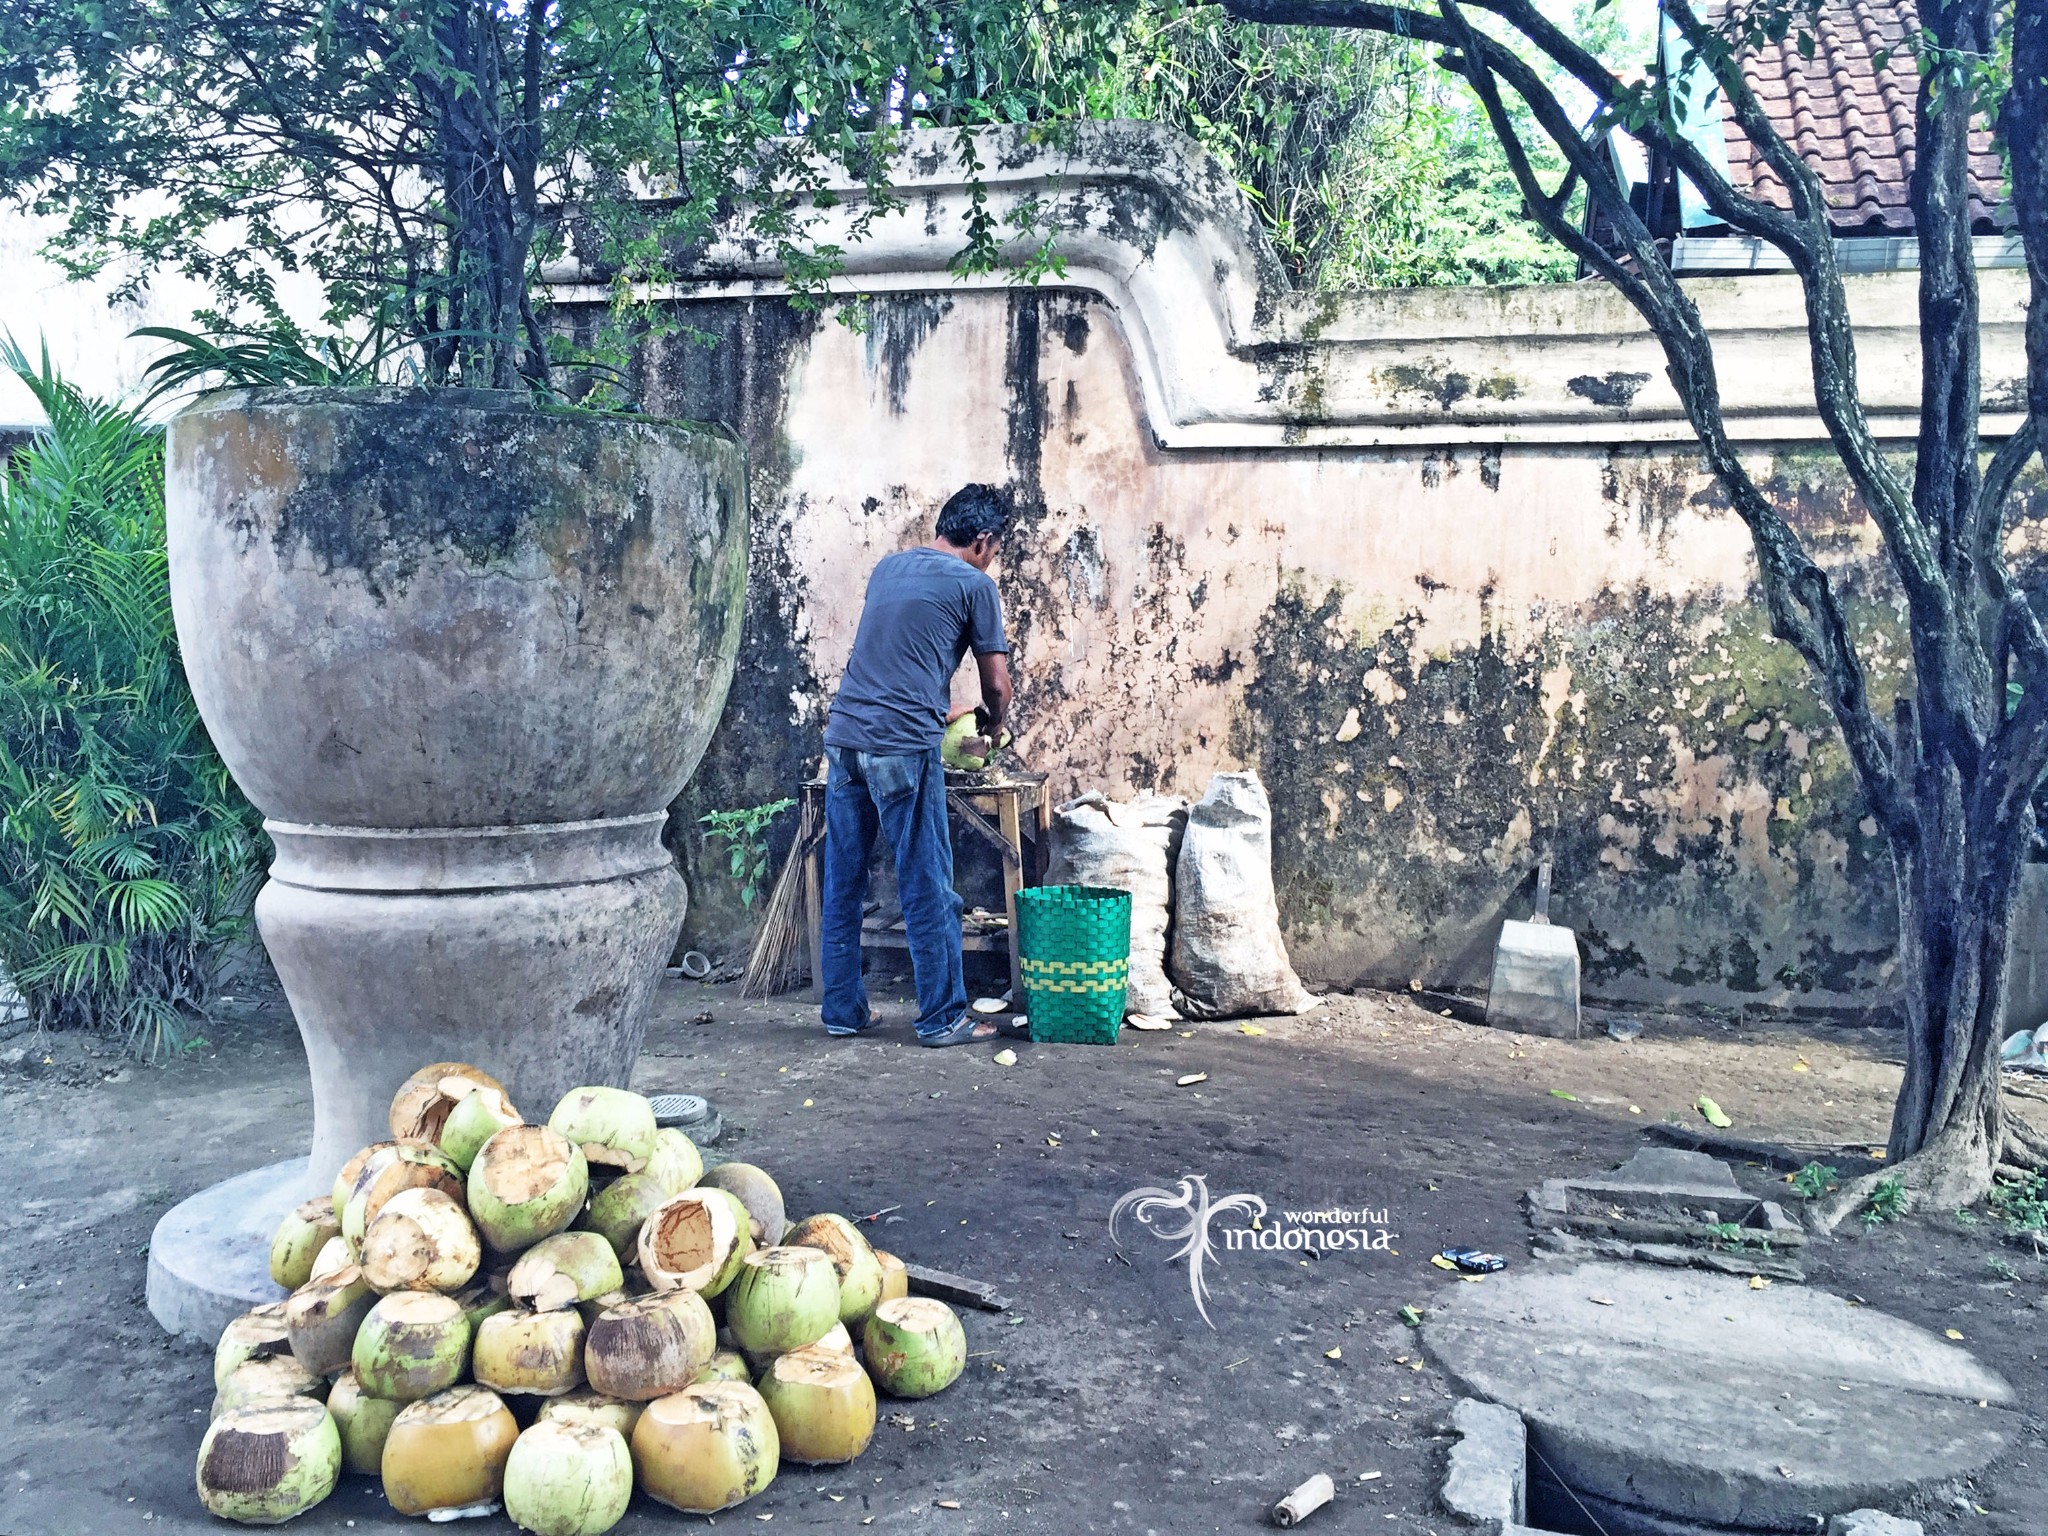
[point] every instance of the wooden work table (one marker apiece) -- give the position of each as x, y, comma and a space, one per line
1012, 814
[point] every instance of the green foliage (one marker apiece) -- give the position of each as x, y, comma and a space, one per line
2022, 1204
745, 832
1887, 1202
128, 859
1813, 1181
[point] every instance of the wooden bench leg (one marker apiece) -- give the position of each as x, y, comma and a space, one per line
1013, 880
814, 920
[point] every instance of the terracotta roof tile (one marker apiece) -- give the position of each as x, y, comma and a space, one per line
1852, 121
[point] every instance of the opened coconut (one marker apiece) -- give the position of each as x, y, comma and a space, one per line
860, 1272
726, 1365
403, 1165
835, 1338
448, 1451
587, 1407
300, 1237
568, 1477
758, 1193
422, 1104
823, 1403
617, 1210
254, 1380
255, 1335
321, 1318
675, 1160
562, 1270
334, 1257
895, 1276
364, 1422
693, 1242
645, 1349
783, 1299
538, 1353
527, 1183
614, 1126
352, 1170
423, 1240
481, 1299
479, 1113
914, 1345
265, 1463
412, 1345
707, 1447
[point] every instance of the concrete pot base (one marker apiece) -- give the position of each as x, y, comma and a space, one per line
209, 1257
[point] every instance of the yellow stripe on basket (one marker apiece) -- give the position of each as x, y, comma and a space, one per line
1032, 967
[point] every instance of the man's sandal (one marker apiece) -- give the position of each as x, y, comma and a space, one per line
969, 1031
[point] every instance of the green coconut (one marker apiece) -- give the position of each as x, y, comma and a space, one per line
300, 1237
760, 1194
951, 745
644, 1349
527, 1183
412, 1345
334, 1257
538, 1354
254, 1380
423, 1240
836, 1338
614, 1126
914, 1345
860, 1272
255, 1335
783, 1299
321, 1318
568, 1478
675, 1160
420, 1108
694, 1242
895, 1275
617, 1210
351, 1170
267, 1462
401, 1166
707, 1447
364, 1422
823, 1403
593, 1408
562, 1270
479, 1112
726, 1365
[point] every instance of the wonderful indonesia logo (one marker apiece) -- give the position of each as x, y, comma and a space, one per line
1205, 1225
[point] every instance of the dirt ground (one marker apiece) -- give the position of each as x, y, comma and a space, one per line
1101, 1401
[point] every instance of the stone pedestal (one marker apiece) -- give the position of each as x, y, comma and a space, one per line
462, 651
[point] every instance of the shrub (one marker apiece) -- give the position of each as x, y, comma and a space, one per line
128, 859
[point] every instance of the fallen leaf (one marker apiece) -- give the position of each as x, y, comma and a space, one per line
1559, 1093
808, 1103
1600, 1301
1759, 1283
1411, 1315
949, 1503
836, 1498
1635, 1109
1714, 1114
1334, 1354
1251, 1029
1191, 1079
1441, 1262
1186, 1034
1801, 1066
1367, 1477
1951, 1333
1414, 985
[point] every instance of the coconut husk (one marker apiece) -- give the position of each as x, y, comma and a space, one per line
707, 1447
403, 1165
300, 1237
860, 1273
256, 1335
593, 1408
823, 1403
478, 1113
364, 1422
759, 1193
526, 1184
448, 1451
565, 1269
614, 1126
645, 1349
268, 1462
783, 1299
422, 1240
420, 1107
538, 1354
617, 1211
694, 1242
914, 1345
254, 1380
412, 1345
322, 1317
568, 1477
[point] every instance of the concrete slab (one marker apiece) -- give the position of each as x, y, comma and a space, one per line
1693, 1397
1872, 1522
1488, 1473
1535, 986
209, 1257
1662, 1172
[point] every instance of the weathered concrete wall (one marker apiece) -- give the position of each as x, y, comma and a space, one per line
1443, 654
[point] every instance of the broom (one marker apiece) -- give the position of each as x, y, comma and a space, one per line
776, 965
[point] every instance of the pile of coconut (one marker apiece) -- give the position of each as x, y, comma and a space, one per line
489, 1312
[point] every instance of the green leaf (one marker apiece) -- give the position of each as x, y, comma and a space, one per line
1714, 1114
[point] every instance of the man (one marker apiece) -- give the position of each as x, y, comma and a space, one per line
926, 608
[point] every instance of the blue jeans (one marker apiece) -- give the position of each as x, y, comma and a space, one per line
903, 797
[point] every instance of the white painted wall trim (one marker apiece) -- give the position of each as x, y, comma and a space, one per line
1226, 356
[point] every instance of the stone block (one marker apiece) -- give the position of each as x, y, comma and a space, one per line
1871, 1522
1488, 1474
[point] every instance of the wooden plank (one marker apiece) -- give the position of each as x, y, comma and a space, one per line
1006, 845
1013, 879
955, 1288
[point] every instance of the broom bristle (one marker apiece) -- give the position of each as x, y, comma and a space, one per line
776, 965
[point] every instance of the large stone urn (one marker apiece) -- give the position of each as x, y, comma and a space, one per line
461, 650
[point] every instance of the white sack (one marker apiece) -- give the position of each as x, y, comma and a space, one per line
1228, 955
1127, 846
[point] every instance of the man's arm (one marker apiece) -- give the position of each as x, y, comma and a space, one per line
995, 693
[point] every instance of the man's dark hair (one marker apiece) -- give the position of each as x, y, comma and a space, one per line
972, 511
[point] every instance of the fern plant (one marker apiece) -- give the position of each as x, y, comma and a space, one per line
128, 859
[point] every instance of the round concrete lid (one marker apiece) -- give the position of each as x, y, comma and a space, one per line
1691, 1395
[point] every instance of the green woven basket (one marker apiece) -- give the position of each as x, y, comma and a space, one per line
1074, 950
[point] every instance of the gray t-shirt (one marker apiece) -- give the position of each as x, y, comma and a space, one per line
925, 610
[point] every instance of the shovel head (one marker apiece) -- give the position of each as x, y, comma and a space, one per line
1535, 985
